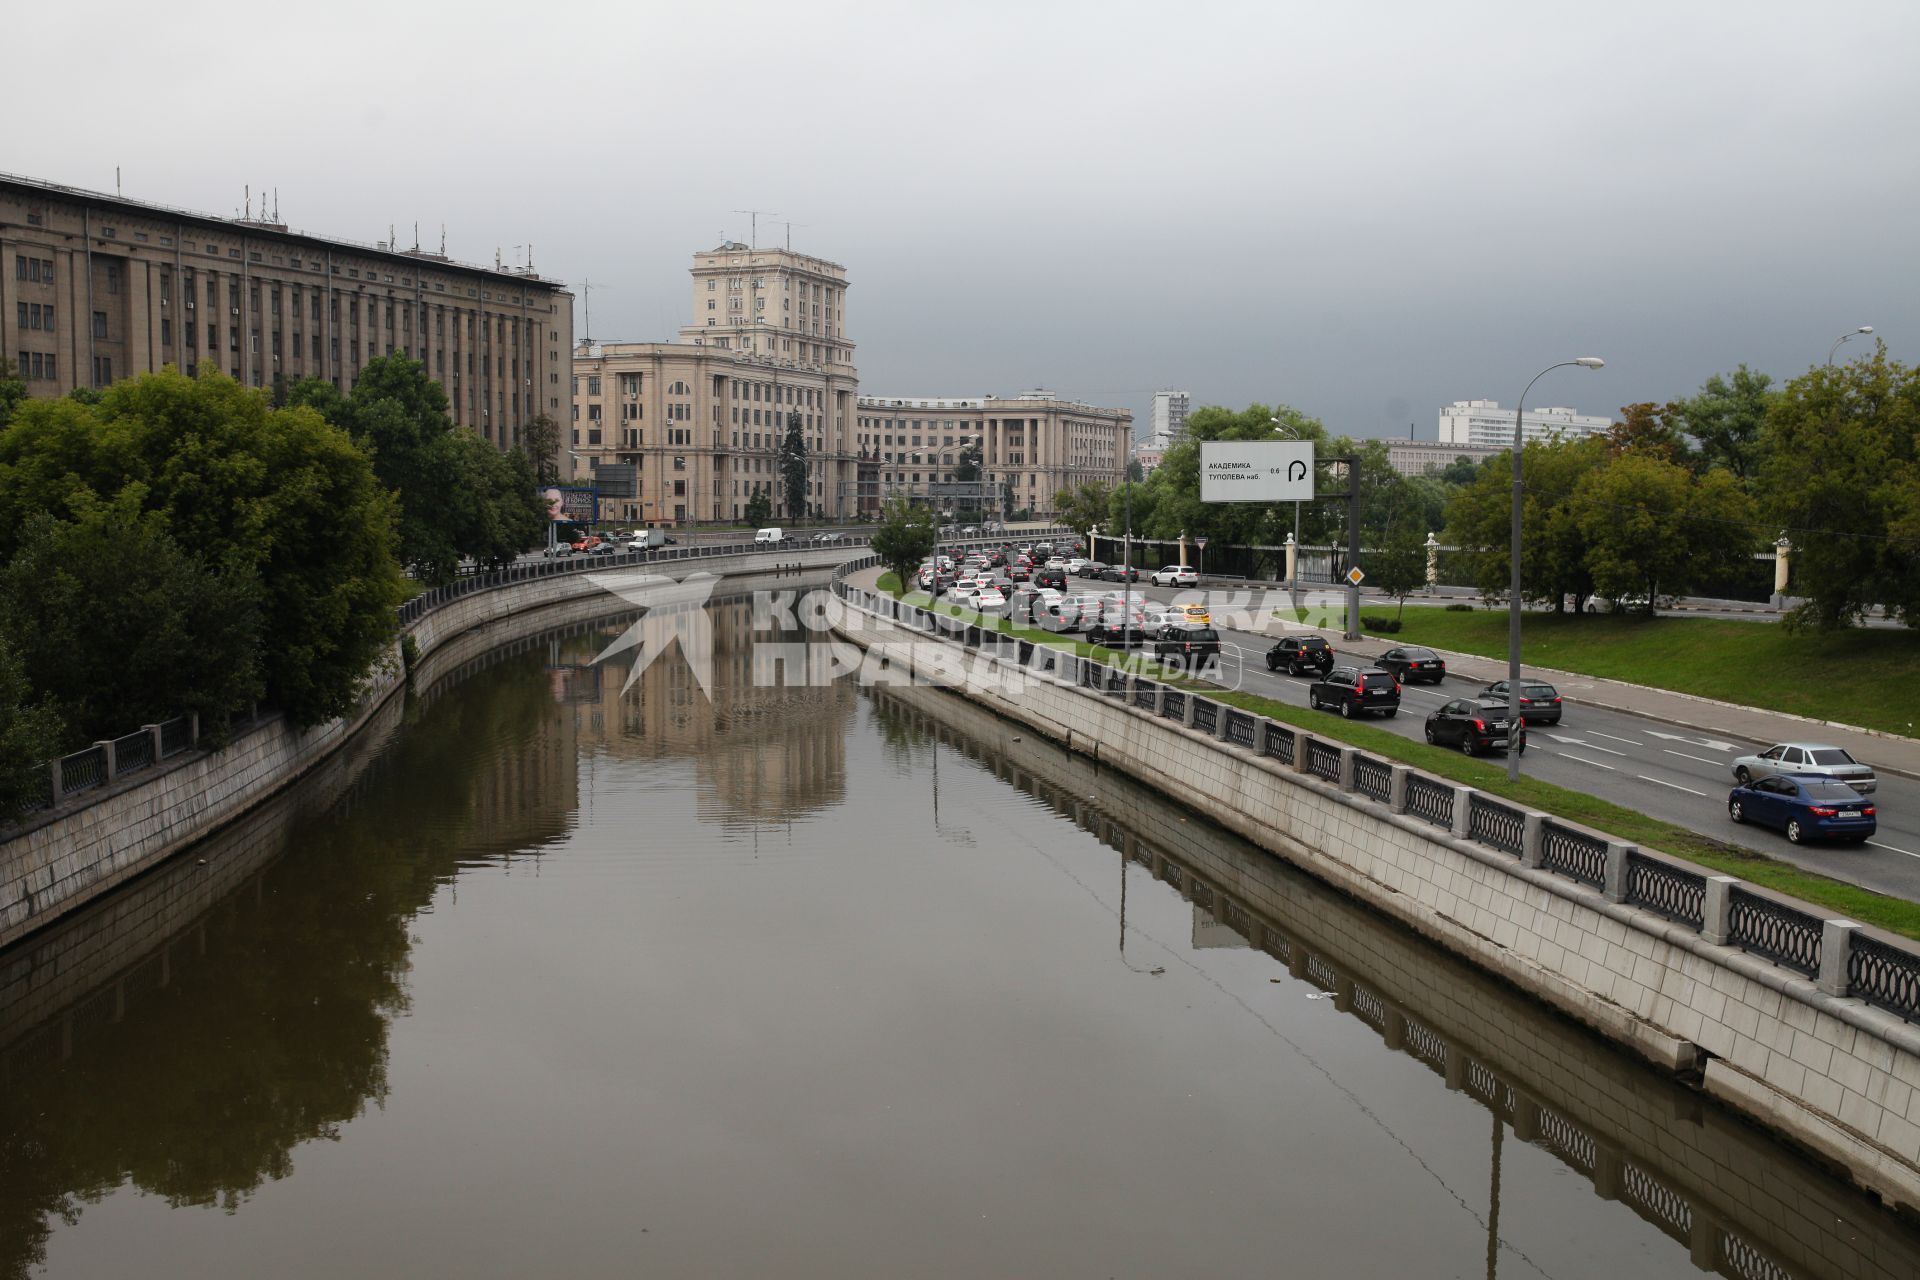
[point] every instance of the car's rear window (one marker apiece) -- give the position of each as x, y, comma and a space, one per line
1379, 680
1538, 690
1313, 642
1199, 633
1829, 791
1832, 755
1421, 655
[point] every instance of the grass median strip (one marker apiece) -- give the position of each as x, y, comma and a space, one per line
1861, 676
1893, 914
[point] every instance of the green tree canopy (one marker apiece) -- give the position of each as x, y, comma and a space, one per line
454, 502
1553, 546
1840, 477
905, 538
1726, 418
117, 625
1082, 506
291, 497
759, 507
793, 469
31, 732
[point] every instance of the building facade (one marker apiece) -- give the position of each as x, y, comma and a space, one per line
1170, 409
1031, 446
685, 432
94, 287
701, 428
1484, 422
1417, 457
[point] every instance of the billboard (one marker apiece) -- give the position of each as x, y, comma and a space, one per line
1256, 470
576, 506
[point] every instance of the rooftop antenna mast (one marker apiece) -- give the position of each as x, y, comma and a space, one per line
756, 215
586, 297
790, 226
443, 239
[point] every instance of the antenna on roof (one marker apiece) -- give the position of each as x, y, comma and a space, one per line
116, 179
416, 235
755, 215
247, 191
586, 299
443, 239
790, 226
276, 204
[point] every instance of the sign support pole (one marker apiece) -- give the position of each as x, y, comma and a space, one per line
1353, 547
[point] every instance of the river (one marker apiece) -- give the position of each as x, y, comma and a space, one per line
548, 976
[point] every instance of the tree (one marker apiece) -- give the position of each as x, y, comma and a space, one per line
1726, 418
1553, 546
1461, 471
1648, 429
905, 538
1841, 478
793, 469
31, 733
759, 507
1398, 566
118, 625
1652, 526
290, 496
452, 504
1082, 506
1168, 502
966, 469
541, 440
13, 389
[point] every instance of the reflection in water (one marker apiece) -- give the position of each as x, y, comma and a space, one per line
600, 1032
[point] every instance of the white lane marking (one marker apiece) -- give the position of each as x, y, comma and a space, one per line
1632, 742
1684, 756
1910, 853
1582, 742
1676, 786
1711, 744
1583, 760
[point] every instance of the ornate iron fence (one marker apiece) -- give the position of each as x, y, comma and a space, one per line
1116, 682
81, 770
1144, 692
1277, 742
1372, 778
1323, 760
1777, 932
1500, 826
176, 735
1430, 801
1884, 976
1666, 890
1574, 854
1173, 705
1239, 727
132, 752
1206, 716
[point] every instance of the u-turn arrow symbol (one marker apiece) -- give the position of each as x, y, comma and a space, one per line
1296, 470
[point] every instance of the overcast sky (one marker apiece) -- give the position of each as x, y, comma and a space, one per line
1365, 212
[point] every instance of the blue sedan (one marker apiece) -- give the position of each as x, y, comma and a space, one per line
1806, 807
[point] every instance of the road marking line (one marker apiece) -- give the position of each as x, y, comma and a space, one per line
1609, 750
1910, 853
1676, 786
1684, 756
1583, 760
1632, 742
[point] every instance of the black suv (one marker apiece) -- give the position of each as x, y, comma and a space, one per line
1473, 725
1186, 644
1356, 691
1052, 576
1539, 703
1414, 663
1300, 654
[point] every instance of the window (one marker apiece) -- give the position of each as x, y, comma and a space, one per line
99, 324
166, 332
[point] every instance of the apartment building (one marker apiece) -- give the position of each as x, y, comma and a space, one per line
95, 287
1417, 457
1033, 445
1170, 409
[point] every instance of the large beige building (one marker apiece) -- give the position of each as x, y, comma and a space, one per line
689, 431
94, 287
1032, 445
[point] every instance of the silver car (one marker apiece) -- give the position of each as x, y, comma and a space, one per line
1806, 757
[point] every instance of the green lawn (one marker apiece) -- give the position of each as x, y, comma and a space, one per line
1863, 676
1893, 914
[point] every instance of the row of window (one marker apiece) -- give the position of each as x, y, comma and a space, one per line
32, 270
34, 315
35, 365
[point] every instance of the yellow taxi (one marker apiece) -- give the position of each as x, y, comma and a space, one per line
1195, 613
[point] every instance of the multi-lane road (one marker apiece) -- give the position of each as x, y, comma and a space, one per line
1667, 771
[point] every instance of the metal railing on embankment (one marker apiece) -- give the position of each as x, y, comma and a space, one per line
1723, 910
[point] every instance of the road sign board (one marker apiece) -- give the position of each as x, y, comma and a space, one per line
1256, 471
1355, 576
1200, 543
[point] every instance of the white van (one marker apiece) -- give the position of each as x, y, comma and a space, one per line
769, 537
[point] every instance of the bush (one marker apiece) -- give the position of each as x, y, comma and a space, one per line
1379, 622
1459, 608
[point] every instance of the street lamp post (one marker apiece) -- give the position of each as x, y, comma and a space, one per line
1851, 333
1296, 502
1514, 723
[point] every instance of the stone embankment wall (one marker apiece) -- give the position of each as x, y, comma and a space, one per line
1834, 1074
66, 857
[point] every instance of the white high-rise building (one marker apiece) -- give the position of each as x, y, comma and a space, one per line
1169, 418
1485, 423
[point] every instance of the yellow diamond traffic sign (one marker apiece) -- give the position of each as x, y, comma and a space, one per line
1355, 576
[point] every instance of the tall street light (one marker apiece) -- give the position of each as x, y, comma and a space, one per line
1514, 723
1293, 434
1851, 333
